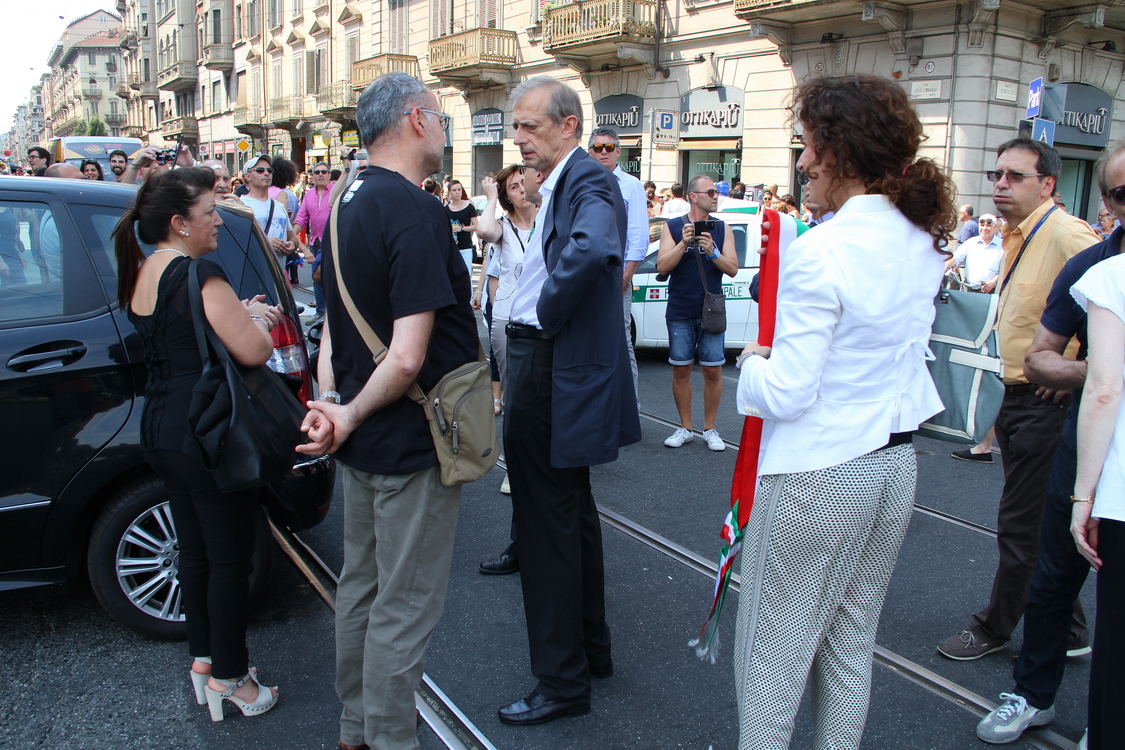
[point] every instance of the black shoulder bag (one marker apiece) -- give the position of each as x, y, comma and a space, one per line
714, 317
243, 422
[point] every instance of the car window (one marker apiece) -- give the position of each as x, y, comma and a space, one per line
96, 225
740, 247
31, 267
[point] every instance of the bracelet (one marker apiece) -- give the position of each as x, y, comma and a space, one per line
1077, 500
263, 320
332, 397
743, 357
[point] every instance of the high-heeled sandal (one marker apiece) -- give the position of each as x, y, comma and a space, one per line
199, 681
264, 702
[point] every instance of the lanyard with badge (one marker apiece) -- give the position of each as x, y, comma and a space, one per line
1023, 247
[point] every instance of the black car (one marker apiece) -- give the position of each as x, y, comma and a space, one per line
75, 491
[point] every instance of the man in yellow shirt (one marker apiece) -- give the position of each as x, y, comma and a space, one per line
1039, 241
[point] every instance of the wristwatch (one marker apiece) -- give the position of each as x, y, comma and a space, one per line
743, 357
332, 397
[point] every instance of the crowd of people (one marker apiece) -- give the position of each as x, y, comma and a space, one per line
840, 390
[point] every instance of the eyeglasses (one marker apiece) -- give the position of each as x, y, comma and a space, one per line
712, 192
1117, 195
1013, 177
985, 221
259, 170
320, 171
442, 117
609, 148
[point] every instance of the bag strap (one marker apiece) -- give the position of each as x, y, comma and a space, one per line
1023, 247
374, 344
203, 331
269, 218
698, 262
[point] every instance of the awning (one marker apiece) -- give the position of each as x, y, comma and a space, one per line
630, 142
709, 144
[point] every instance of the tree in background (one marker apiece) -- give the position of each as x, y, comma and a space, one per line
96, 127
80, 128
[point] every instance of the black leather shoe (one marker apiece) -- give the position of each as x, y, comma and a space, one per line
505, 563
601, 671
535, 709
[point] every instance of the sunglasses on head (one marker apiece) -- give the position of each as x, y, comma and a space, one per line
259, 170
1117, 195
609, 148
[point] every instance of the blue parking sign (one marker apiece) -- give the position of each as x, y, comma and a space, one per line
1034, 98
667, 120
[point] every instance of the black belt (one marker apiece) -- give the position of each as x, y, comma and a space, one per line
523, 331
1021, 389
897, 438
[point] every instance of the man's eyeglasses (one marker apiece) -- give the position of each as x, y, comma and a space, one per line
609, 148
259, 170
985, 221
1013, 177
443, 118
320, 171
712, 192
1117, 195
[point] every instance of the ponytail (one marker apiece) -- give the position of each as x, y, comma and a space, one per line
129, 256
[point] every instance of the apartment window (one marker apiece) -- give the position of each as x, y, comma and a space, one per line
240, 87
112, 106
203, 100
277, 91
217, 96
144, 65
352, 52
299, 64
238, 21
253, 18
217, 28
487, 15
297, 9
441, 18
113, 82
275, 13
314, 70
93, 58
398, 27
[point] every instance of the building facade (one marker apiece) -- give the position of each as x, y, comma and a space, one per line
84, 75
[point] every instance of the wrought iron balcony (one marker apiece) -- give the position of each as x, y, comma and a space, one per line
91, 92
186, 126
596, 27
114, 118
122, 90
466, 54
367, 70
336, 101
218, 56
178, 75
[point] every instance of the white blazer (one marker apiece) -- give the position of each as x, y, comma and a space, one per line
848, 365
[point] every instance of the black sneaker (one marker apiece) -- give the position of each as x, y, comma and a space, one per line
968, 455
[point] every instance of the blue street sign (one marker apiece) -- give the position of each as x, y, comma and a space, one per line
1043, 130
666, 121
1034, 97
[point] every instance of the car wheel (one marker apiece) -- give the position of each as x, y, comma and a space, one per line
133, 560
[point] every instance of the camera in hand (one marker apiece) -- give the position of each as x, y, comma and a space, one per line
707, 225
165, 155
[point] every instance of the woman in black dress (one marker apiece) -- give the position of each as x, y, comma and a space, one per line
463, 217
176, 212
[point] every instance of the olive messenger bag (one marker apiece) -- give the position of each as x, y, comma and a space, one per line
459, 409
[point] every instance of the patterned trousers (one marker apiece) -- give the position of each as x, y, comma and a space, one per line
817, 556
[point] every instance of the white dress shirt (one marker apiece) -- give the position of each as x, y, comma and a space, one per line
673, 207
525, 300
636, 209
855, 304
981, 261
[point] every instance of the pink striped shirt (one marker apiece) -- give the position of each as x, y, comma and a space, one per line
314, 211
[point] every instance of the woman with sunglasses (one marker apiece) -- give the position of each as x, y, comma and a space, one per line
841, 392
463, 218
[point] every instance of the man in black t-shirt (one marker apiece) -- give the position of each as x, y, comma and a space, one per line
407, 280
1048, 621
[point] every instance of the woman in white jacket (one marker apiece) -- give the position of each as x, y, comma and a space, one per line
841, 391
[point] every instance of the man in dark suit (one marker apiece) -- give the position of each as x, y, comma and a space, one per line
570, 400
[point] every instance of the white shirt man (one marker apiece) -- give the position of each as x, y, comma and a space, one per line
980, 256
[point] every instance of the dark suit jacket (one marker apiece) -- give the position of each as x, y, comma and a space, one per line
594, 407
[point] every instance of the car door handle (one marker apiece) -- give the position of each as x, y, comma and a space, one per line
47, 360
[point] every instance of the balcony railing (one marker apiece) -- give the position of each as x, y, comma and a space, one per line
91, 92
334, 96
122, 90
114, 118
134, 131
178, 75
476, 48
367, 70
284, 108
177, 126
218, 56
588, 22
134, 80
244, 115
148, 90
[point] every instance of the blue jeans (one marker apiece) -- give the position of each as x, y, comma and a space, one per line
1051, 610
686, 337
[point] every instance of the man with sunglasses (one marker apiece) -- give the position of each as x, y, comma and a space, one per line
684, 313
1039, 241
272, 216
980, 256
313, 216
605, 147
1061, 571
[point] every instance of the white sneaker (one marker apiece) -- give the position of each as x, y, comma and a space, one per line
505, 487
714, 442
1009, 720
679, 437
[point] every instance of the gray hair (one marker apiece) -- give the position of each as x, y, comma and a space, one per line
380, 107
1112, 151
564, 100
604, 133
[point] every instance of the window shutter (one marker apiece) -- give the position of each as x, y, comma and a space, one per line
353, 53
310, 72
486, 14
441, 13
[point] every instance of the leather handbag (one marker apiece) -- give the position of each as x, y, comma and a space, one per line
714, 317
244, 423
459, 409
966, 368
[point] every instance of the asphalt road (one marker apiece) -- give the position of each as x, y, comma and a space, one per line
76, 679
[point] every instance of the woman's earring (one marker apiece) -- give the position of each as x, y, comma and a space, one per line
185, 234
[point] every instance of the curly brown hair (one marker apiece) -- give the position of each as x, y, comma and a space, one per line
867, 129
